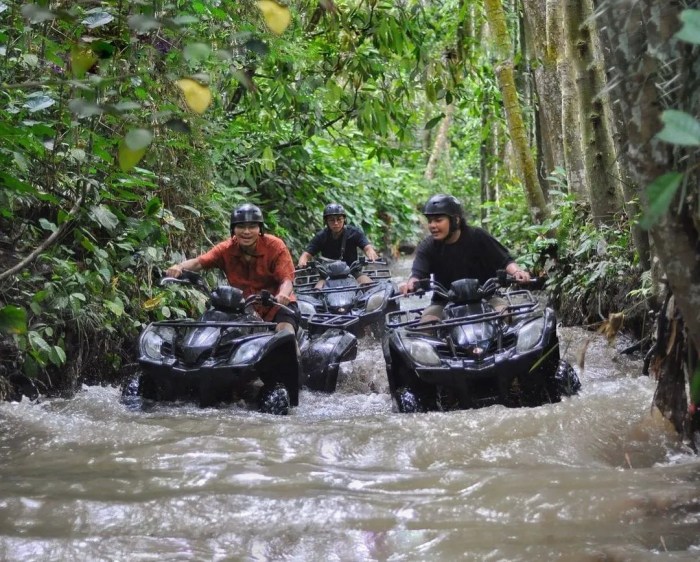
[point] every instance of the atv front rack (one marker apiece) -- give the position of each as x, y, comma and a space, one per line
321, 321
411, 318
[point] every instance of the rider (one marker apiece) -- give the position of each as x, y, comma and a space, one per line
454, 250
339, 241
252, 261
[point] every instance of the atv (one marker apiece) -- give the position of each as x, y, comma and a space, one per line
478, 354
230, 353
343, 297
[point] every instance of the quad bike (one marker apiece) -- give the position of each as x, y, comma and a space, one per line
230, 353
477, 354
362, 306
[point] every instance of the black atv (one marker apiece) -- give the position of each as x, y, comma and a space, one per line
230, 353
478, 354
343, 297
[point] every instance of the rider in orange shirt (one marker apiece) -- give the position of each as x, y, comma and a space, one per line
252, 261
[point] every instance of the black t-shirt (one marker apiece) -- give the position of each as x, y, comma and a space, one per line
324, 244
475, 255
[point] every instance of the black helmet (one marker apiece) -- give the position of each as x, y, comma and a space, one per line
247, 213
442, 204
334, 209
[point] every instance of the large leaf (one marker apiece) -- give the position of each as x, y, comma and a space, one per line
276, 17
38, 101
133, 147
137, 139
36, 14
13, 320
97, 18
82, 59
102, 215
680, 128
660, 193
198, 97
690, 31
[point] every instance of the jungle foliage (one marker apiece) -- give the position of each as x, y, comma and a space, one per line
130, 130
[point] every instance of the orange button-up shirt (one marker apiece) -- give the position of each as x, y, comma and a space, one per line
271, 266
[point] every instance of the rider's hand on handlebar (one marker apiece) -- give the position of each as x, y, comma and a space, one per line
174, 271
282, 299
408, 287
372, 255
521, 276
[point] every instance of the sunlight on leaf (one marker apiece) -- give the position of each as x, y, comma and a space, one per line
81, 60
150, 304
36, 14
97, 18
132, 148
13, 320
680, 128
690, 31
197, 97
276, 17
660, 193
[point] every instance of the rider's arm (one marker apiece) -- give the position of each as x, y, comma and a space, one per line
190, 265
370, 252
520, 275
284, 291
304, 259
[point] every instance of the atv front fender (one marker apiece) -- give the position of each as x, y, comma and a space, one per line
321, 357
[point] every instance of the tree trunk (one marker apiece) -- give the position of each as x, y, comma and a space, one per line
544, 38
506, 81
440, 146
661, 72
570, 124
602, 194
617, 126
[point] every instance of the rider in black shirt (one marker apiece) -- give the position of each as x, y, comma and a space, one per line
455, 250
338, 241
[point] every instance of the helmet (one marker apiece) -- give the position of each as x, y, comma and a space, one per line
247, 213
334, 209
442, 204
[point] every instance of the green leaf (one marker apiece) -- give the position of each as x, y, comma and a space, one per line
57, 356
434, 121
116, 306
39, 343
97, 18
103, 216
680, 128
138, 139
13, 320
695, 387
690, 31
47, 225
152, 207
660, 193
196, 51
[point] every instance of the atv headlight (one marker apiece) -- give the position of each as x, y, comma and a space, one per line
306, 308
153, 338
247, 351
423, 353
375, 301
530, 334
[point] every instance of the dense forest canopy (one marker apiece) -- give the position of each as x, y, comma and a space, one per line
131, 129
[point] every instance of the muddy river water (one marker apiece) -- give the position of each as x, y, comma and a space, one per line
596, 477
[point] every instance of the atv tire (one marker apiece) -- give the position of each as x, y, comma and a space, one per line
406, 401
274, 400
567, 380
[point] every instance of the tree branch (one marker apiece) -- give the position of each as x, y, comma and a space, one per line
45, 244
